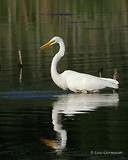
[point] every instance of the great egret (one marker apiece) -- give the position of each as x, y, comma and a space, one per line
75, 81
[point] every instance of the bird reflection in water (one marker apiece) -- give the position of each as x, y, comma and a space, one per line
72, 104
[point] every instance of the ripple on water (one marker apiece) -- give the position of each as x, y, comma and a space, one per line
30, 94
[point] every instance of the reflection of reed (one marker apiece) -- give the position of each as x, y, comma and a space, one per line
72, 104
20, 75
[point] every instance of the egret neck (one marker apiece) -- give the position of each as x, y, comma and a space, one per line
57, 78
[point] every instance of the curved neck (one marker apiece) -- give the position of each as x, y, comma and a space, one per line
55, 75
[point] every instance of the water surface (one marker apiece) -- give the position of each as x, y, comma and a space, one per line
37, 119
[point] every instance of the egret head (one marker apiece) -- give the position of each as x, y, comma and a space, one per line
51, 42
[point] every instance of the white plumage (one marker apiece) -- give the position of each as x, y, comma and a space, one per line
75, 81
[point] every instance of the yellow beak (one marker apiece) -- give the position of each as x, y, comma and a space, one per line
45, 45
48, 142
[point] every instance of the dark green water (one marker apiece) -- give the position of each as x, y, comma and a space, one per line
37, 119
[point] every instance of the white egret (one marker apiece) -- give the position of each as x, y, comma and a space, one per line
75, 81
